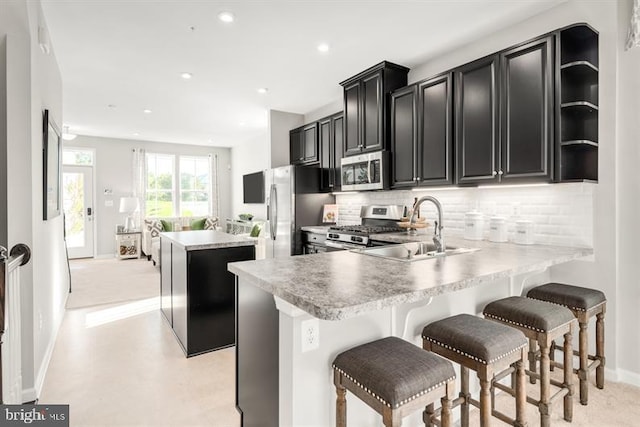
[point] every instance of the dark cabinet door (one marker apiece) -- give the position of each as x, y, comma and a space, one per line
476, 114
337, 129
527, 111
352, 120
435, 131
403, 137
296, 153
326, 151
310, 143
372, 110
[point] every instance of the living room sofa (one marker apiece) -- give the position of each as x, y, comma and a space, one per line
152, 227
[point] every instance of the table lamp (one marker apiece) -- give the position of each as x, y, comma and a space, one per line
129, 205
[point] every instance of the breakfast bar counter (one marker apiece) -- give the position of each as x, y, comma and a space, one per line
296, 314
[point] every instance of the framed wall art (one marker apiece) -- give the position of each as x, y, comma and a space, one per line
51, 176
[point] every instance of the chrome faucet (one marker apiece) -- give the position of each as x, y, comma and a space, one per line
437, 234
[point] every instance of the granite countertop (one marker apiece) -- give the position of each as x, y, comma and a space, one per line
194, 240
344, 284
319, 229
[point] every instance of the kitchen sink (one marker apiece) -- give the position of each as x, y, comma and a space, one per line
415, 251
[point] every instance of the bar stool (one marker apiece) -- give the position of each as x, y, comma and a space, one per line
489, 348
394, 377
541, 322
584, 303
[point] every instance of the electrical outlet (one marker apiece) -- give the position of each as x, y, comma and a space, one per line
310, 334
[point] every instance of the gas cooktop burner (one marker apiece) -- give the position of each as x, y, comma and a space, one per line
366, 229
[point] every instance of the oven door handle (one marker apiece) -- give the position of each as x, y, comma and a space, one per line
342, 245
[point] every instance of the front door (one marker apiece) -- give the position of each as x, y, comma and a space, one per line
77, 193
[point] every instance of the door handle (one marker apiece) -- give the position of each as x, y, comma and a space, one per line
89, 211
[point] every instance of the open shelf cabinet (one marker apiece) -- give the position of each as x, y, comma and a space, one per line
577, 124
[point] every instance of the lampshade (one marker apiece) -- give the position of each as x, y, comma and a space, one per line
128, 204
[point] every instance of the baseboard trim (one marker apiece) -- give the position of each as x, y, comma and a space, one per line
104, 256
628, 377
32, 394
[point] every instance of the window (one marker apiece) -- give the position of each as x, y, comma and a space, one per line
77, 156
194, 186
168, 196
160, 185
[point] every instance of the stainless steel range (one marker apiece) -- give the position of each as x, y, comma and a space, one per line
374, 220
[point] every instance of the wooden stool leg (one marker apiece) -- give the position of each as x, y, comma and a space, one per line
568, 376
583, 371
521, 394
532, 359
552, 355
464, 393
600, 349
446, 401
341, 406
545, 383
485, 402
428, 414
391, 418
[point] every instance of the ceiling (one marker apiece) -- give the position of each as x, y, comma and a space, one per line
119, 58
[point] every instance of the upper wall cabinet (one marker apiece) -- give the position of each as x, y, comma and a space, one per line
303, 145
476, 116
422, 133
330, 131
504, 116
366, 107
577, 117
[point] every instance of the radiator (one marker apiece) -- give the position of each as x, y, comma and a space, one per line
10, 328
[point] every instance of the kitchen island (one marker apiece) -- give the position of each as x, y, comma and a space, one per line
197, 292
357, 298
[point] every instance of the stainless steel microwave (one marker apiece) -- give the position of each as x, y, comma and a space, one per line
365, 171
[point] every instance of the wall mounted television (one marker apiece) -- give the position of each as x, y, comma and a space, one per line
253, 186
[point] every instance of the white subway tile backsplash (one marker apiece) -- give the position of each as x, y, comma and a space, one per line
562, 213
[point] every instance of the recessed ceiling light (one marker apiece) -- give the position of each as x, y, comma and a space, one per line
263, 90
136, 134
111, 106
242, 123
226, 17
146, 111
186, 76
323, 47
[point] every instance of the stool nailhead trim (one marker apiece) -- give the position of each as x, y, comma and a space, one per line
523, 325
569, 306
402, 402
470, 356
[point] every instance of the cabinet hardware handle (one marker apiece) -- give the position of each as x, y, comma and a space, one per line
494, 173
500, 172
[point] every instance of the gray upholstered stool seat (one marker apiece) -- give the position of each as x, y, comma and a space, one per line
487, 347
392, 376
572, 297
541, 322
584, 303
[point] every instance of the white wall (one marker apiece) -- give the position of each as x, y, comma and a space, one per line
248, 157
280, 123
628, 202
114, 170
33, 83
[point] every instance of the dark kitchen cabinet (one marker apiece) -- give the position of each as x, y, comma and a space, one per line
303, 145
422, 133
366, 107
330, 134
577, 104
477, 120
504, 116
404, 137
526, 152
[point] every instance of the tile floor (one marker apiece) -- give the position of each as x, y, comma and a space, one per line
118, 363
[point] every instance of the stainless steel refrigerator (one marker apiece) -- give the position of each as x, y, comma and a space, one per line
293, 201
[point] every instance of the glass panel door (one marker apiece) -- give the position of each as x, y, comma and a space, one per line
77, 193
